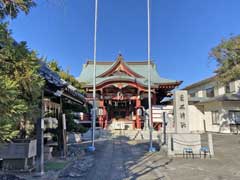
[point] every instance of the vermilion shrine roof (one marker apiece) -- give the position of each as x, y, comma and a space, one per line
121, 70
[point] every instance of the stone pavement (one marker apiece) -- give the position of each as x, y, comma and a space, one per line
120, 159
112, 160
117, 158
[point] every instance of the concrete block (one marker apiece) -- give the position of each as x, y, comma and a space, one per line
177, 142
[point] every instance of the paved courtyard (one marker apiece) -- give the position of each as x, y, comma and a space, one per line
118, 158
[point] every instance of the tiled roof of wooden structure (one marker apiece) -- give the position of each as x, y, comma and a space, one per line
138, 73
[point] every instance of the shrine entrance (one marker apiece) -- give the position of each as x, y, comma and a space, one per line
122, 91
119, 100
121, 113
121, 109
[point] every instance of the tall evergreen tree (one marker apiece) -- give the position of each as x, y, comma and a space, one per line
13, 7
227, 55
21, 84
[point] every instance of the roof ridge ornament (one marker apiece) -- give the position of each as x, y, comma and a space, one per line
120, 65
120, 57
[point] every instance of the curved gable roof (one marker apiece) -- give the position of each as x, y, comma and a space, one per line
120, 64
103, 69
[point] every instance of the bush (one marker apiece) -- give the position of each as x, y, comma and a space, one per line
7, 131
73, 126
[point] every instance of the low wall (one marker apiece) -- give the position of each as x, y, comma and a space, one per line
19, 155
73, 137
18, 150
177, 142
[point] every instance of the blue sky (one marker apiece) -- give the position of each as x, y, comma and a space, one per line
183, 32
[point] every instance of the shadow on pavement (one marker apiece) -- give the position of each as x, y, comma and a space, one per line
121, 158
138, 162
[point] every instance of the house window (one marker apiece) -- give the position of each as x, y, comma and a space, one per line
192, 94
210, 92
227, 88
234, 117
215, 117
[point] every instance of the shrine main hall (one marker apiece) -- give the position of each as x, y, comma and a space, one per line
122, 90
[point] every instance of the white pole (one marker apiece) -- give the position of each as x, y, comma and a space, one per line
94, 75
149, 79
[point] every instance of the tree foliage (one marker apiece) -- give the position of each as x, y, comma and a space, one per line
11, 108
20, 83
72, 126
65, 75
13, 7
227, 55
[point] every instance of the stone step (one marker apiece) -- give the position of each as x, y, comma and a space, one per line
136, 134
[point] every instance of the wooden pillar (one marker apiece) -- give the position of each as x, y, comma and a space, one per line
159, 126
105, 117
164, 128
40, 140
127, 113
60, 137
101, 115
62, 143
101, 121
138, 102
154, 99
40, 147
101, 103
138, 119
64, 131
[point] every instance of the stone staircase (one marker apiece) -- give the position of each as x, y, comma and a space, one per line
120, 125
136, 134
143, 135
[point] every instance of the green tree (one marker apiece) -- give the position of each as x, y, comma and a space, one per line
21, 84
53, 65
11, 108
13, 7
227, 55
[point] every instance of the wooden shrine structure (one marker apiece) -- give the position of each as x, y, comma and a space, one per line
122, 90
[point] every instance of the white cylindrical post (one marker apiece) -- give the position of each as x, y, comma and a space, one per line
92, 148
94, 71
151, 149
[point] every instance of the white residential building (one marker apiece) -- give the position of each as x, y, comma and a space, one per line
214, 107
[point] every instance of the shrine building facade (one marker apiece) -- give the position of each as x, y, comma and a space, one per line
122, 90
